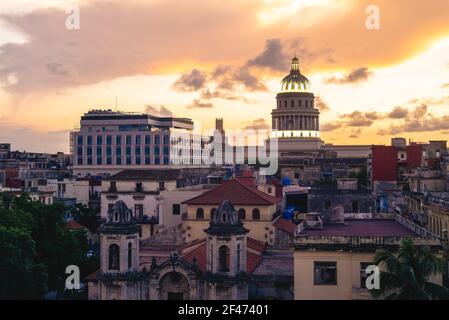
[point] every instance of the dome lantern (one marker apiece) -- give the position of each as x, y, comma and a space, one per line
295, 81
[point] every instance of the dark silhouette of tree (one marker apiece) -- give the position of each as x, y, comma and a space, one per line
405, 275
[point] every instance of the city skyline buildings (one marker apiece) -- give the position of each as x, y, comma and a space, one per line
371, 84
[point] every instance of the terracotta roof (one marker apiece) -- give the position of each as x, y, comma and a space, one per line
93, 276
285, 225
73, 225
236, 192
252, 259
255, 244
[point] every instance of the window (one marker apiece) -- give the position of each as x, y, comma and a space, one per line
363, 275
161, 185
108, 140
80, 160
238, 257
156, 151
157, 160
157, 139
114, 253
89, 160
137, 151
89, 140
223, 259
108, 160
89, 151
199, 214
139, 187
118, 151
147, 151
269, 190
80, 140
128, 160
242, 214
325, 273
166, 139
147, 160
138, 210
128, 151
212, 212
99, 151
99, 160
128, 139
355, 206
138, 140
118, 140
256, 214
118, 160
147, 139
113, 186
80, 151
130, 255
99, 140
138, 161
166, 151
176, 209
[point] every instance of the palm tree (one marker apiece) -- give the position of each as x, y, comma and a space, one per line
405, 275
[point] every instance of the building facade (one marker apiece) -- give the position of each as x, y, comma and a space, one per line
108, 142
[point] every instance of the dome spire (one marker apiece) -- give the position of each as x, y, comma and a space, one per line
294, 64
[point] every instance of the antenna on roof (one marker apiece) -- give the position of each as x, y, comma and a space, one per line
116, 108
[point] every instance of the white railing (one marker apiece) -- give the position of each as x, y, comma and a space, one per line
421, 231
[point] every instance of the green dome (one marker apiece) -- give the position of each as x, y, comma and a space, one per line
295, 81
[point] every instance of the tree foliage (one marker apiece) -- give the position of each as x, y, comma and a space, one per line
406, 275
36, 248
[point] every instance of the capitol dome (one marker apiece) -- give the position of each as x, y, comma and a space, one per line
295, 81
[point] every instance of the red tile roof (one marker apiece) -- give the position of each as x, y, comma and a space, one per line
252, 259
236, 192
285, 225
93, 276
73, 225
256, 244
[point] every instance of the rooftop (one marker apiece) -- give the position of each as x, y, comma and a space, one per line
361, 228
236, 192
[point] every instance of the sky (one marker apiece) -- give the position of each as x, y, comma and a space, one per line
205, 59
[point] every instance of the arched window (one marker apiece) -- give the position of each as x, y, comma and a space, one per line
242, 214
256, 214
212, 213
200, 213
223, 259
130, 255
114, 257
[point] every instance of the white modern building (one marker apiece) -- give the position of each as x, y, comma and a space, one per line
111, 141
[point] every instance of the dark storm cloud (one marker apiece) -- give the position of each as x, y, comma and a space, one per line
355, 76
330, 126
321, 105
160, 111
398, 113
192, 81
198, 104
272, 57
257, 124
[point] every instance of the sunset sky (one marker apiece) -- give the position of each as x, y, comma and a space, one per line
204, 59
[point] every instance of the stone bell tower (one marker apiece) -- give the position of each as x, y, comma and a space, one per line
120, 278
226, 256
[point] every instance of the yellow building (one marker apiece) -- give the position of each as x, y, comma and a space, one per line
255, 208
436, 208
330, 260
